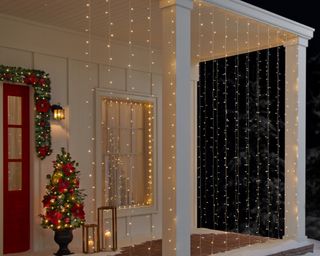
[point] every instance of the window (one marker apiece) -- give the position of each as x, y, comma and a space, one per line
127, 151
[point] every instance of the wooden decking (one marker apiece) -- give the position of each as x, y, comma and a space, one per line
207, 244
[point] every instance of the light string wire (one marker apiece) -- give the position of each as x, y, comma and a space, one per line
130, 177
114, 159
278, 137
268, 135
258, 181
203, 123
205, 114
287, 108
217, 144
248, 129
226, 126
171, 106
150, 167
237, 134
212, 22
109, 35
87, 66
206, 121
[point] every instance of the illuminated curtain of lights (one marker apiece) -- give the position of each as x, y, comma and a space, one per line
258, 120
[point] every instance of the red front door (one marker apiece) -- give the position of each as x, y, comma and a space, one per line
16, 188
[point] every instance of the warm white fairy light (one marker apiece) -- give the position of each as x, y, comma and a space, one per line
131, 201
237, 132
88, 29
226, 121
278, 140
258, 121
149, 194
267, 157
112, 163
171, 109
149, 201
87, 52
109, 37
217, 144
130, 45
203, 206
212, 22
287, 171
247, 136
149, 39
118, 185
200, 35
200, 116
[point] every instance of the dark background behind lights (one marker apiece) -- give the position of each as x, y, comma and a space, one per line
307, 13
244, 201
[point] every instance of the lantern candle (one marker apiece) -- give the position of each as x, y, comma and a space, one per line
107, 235
107, 239
91, 245
89, 238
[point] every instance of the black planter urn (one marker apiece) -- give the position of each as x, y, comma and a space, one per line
63, 238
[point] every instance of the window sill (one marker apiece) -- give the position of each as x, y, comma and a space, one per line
136, 211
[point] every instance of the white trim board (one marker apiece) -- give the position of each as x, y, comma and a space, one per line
264, 16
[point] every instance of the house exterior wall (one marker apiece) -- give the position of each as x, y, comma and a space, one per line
61, 54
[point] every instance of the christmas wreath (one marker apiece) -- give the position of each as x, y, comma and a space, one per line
40, 82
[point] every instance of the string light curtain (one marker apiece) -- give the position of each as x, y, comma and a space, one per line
249, 145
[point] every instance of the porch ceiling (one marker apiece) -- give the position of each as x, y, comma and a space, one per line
71, 14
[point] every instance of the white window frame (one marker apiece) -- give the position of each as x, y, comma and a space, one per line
101, 94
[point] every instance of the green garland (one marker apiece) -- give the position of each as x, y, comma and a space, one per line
40, 82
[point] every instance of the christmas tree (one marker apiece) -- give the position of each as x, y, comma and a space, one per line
63, 201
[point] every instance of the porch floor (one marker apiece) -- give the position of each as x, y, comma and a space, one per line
217, 243
227, 244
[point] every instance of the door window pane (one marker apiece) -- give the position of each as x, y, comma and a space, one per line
14, 110
14, 176
14, 143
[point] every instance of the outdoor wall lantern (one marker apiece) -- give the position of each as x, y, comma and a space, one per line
58, 112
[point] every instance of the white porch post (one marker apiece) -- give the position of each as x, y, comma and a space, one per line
177, 127
295, 139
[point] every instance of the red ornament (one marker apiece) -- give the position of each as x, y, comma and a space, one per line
31, 79
68, 169
42, 151
43, 106
46, 201
67, 220
63, 186
54, 217
77, 211
7, 76
42, 81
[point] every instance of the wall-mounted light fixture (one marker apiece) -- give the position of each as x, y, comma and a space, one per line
58, 112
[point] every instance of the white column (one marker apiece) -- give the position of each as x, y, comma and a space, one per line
177, 127
295, 139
